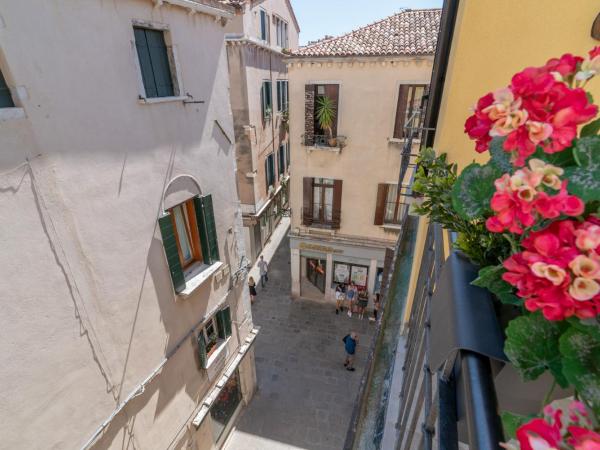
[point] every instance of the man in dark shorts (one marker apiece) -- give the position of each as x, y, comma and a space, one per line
350, 343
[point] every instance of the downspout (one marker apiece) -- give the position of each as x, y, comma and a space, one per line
440, 68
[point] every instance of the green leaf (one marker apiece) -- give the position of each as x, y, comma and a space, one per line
591, 129
511, 422
473, 190
584, 179
532, 346
500, 157
581, 364
561, 159
490, 278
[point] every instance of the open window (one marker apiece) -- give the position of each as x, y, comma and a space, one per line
266, 100
409, 109
264, 30
389, 208
270, 171
189, 238
322, 202
212, 336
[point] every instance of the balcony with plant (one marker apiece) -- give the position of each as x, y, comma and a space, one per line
325, 117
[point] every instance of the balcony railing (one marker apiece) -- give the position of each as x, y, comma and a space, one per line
324, 141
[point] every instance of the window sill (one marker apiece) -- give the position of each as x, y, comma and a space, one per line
403, 140
151, 100
11, 114
391, 226
215, 356
197, 276
322, 148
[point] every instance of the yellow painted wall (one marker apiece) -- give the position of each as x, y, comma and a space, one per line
494, 39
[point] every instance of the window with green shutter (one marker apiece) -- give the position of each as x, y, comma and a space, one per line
224, 322
6, 100
208, 230
154, 62
170, 245
202, 349
281, 160
270, 171
266, 99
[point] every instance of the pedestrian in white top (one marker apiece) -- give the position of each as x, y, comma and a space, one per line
264, 268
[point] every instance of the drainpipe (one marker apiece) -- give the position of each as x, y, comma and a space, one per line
440, 68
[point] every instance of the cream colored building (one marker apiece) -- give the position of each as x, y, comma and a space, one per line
345, 201
257, 41
125, 316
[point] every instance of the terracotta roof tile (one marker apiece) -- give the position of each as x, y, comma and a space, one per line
410, 32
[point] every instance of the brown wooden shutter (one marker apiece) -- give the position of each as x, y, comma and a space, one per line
333, 92
401, 111
382, 192
336, 215
307, 202
309, 114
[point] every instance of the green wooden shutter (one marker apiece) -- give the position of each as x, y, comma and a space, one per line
205, 217
202, 349
6, 100
170, 244
226, 315
281, 161
143, 52
221, 324
160, 62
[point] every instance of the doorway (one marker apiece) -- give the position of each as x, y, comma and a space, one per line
315, 273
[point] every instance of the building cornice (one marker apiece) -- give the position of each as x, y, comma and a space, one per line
242, 39
222, 11
359, 61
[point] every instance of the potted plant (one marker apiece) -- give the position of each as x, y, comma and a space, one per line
326, 113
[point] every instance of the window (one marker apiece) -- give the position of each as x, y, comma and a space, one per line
287, 155
316, 134
153, 56
266, 100
282, 95
189, 237
389, 208
264, 25
281, 28
6, 100
270, 171
322, 202
212, 335
281, 160
409, 109
225, 405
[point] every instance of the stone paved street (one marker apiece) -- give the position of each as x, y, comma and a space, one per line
305, 396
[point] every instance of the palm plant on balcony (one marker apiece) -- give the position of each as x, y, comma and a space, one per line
538, 199
326, 113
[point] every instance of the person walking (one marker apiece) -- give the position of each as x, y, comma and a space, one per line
350, 297
339, 298
363, 301
376, 306
252, 288
350, 343
264, 269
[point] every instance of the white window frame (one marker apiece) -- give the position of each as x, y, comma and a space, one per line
173, 63
267, 38
281, 31
280, 97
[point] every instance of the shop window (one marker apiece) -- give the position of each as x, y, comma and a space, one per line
225, 405
212, 335
154, 59
315, 272
346, 273
389, 208
409, 108
322, 202
189, 238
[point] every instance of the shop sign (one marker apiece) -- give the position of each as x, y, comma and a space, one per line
319, 248
359, 275
341, 273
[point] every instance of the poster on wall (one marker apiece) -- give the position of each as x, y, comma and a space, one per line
359, 275
341, 273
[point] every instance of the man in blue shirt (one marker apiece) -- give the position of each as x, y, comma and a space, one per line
350, 343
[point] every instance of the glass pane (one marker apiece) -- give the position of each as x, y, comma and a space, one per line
390, 205
182, 233
328, 204
328, 181
225, 405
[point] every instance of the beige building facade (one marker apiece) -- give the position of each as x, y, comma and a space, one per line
126, 320
345, 199
257, 41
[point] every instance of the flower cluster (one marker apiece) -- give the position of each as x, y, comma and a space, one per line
541, 107
568, 428
521, 199
558, 270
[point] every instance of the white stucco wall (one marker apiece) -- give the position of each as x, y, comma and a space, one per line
88, 307
368, 93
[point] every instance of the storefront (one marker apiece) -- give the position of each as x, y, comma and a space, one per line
318, 267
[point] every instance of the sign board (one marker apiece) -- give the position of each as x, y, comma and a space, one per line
341, 273
359, 275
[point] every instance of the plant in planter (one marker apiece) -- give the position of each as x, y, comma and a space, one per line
538, 200
326, 114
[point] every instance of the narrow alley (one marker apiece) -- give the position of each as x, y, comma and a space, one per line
305, 397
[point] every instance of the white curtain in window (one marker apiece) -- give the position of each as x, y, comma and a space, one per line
390, 204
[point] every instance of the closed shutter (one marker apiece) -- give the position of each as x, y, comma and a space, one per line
337, 205
220, 324
309, 114
160, 63
307, 201
226, 314
202, 350
143, 52
281, 162
382, 192
170, 244
401, 111
205, 217
333, 92
6, 100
